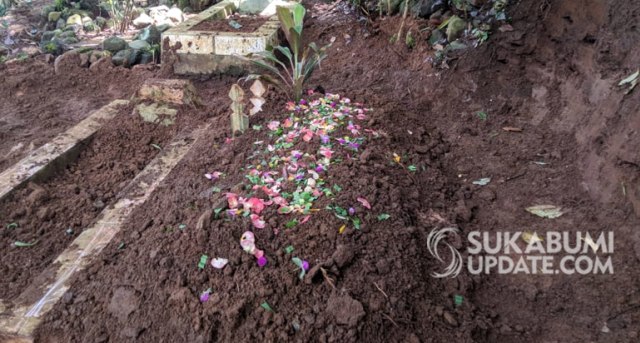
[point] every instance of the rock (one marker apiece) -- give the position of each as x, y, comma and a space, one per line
163, 115
131, 332
54, 16
346, 310
102, 63
98, 204
75, 19
449, 318
60, 24
423, 8
46, 10
343, 256
114, 44
455, 28
100, 22
437, 37
163, 28
44, 213
477, 3
145, 58
88, 25
150, 34
205, 220
142, 21
49, 35
125, 58
171, 91
175, 15
95, 56
123, 302
139, 45
81, 13
383, 266
67, 34
70, 40
66, 60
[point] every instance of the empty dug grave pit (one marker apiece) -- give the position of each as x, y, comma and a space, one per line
41, 218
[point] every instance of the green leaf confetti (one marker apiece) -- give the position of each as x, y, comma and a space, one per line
24, 244
203, 261
383, 216
265, 305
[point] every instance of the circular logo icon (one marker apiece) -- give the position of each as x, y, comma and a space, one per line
434, 241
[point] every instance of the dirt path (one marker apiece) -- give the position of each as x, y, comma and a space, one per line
553, 76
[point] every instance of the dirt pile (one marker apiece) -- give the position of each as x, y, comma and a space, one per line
553, 77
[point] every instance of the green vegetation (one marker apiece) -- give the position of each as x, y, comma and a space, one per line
299, 67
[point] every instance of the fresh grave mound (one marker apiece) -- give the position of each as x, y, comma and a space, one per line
40, 220
233, 23
291, 231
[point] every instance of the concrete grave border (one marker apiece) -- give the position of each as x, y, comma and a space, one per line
210, 52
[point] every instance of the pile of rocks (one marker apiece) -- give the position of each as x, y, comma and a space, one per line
65, 26
160, 16
144, 49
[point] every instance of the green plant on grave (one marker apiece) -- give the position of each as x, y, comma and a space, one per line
300, 62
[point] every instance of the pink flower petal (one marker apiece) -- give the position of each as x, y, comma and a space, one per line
257, 221
232, 199
364, 203
273, 125
305, 219
219, 263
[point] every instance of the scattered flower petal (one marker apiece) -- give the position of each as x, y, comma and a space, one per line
219, 263
364, 203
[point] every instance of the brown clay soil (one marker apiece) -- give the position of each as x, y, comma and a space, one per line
554, 76
52, 213
249, 24
38, 104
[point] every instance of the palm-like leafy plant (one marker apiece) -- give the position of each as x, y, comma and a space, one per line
291, 77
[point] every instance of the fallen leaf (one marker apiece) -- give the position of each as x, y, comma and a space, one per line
505, 28
512, 129
591, 243
342, 228
545, 211
24, 244
396, 158
529, 237
482, 182
632, 80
